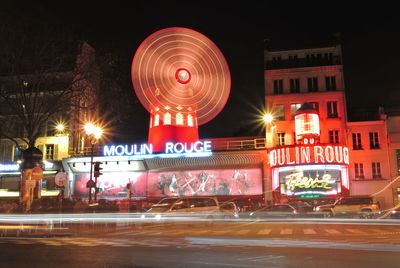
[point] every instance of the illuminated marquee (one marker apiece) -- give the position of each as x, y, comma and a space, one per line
9, 167
171, 148
310, 180
309, 154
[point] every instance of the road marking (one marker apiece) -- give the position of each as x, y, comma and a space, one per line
377, 230
264, 231
332, 231
200, 232
287, 231
309, 231
245, 231
220, 232
355, 231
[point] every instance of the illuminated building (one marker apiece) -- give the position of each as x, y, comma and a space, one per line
353, 156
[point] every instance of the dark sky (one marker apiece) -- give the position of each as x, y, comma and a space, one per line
369, 34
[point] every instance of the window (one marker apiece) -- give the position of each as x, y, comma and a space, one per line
294, 85
330, 82
373, 140
281, 139
357, 145
179, 119
181, 204
279, 112
156, 120
315, 106
332, 109
167, 119
312, 83
398, 161
294, 107
201, 202
376, 170
293, 60
276, 61
333, 136
190, 120
18, 151
50, 151
359, 170
278, 86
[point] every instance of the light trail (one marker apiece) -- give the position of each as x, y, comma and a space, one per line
159, 218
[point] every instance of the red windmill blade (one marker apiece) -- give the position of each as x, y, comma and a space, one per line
182, 78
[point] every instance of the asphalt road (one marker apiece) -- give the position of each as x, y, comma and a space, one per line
280, 243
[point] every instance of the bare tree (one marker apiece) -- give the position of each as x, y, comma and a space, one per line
41, 79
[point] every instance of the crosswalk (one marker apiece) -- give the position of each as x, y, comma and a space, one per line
284, 231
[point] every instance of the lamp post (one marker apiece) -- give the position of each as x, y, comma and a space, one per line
95, 133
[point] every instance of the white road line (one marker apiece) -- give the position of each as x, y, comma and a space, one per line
264, 231
332, 231
378, 231
242, 232
220, 232
286, 231
309, 231
355, 231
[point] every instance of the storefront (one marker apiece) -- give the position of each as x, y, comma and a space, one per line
309, 171
183, 170
10, 177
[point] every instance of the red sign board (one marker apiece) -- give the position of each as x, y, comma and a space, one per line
309, 154
37, 173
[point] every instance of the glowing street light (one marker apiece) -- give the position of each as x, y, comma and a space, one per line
268, 118
60, 127
96, 133
89, 128
269, 129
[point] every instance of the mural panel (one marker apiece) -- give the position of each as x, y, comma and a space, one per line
219, 182
113, 185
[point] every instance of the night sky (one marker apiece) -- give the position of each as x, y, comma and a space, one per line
369, 37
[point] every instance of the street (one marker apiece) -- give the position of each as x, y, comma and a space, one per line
297, 243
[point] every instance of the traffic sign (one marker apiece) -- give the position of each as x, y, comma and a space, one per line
60, 179
90, 184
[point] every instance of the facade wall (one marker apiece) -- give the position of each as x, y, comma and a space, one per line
304, 65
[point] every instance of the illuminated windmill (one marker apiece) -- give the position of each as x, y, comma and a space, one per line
181, 77
306, 122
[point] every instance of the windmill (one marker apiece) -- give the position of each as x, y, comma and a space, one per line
183, 80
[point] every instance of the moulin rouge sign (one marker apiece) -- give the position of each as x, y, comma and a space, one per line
309, 154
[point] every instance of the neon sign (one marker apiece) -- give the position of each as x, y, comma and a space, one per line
310, 180
309, 154
9, 167
200, 148
298, 180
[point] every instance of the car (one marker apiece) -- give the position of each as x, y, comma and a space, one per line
361, 206
395, 212
274, 211
229, 210
187, 206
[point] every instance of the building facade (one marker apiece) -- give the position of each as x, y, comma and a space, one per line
315, 76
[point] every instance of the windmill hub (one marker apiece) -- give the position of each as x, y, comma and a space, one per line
182, 75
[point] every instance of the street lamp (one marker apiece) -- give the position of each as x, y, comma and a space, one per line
95, 133
269, 130
60, 128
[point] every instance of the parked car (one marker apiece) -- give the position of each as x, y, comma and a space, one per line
229, 209
362, 206
395, 213
202, 206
